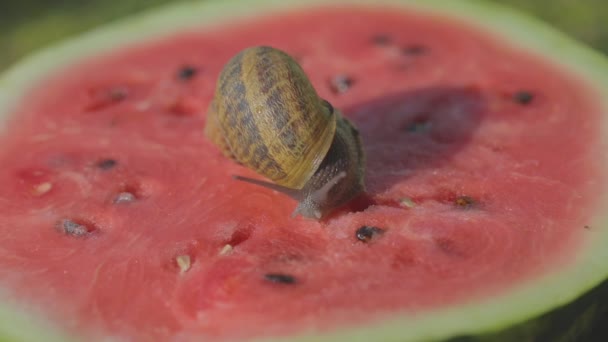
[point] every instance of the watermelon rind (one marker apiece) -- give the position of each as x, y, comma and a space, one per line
558, 306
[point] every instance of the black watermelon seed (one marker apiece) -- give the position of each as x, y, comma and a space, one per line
73, 228
382, 39
587, 227
118, 94
186, 73
464, 202
106, 164
414, 50
280, 278
366, 233
418, 126
523, 97
341, 84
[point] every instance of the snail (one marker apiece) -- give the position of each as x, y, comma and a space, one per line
266, 116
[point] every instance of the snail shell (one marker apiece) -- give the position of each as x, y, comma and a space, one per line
267, 116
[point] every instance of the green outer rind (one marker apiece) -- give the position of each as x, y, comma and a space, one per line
530, 310
18, 325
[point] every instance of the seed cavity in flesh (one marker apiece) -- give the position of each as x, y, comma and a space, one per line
367, 233
74, 228
464, 202
184, 262
107, 97
449, 247
185, 106
280, 278
106, 164
186, 73
523, 97
240, 235
340, 84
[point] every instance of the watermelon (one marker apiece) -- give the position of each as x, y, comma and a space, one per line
484, 216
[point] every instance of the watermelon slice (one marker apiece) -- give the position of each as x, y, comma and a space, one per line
484, 217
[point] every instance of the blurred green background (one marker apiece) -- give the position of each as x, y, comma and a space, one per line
29, 24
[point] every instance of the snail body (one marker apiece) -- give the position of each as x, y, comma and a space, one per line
267, 116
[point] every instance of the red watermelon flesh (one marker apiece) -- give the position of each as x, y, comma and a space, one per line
116, 213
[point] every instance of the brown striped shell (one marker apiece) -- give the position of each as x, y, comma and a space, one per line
267, 116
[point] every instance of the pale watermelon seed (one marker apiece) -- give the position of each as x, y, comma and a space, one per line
407, 202
124, 197
227, 249
42, 188
341, 84
128, 192
74, 227
183, 262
